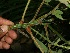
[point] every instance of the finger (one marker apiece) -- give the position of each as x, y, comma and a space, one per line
12, 34
5, 21
1, 35
8, 39
1, 45
5, 45
4, 29
3, 39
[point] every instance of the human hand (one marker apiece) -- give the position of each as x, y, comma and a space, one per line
7, 36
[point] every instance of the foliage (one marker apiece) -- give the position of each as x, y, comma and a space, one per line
41, 25
66, 2
58, 14
44, 48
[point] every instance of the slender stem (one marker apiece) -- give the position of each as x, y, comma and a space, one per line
59, 35
37, 43
41, 35
66, 47
44, 16
57, 41
25, 10
23, 33
38, 10
34, 39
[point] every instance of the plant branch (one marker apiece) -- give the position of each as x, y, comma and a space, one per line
66, 47
41, 35
28, 29
23, 33
25, 10
44, 16
59, 35
37, 11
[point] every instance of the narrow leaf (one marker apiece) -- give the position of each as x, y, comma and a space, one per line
44, 48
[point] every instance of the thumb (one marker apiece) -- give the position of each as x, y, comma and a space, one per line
5, 21
3, 30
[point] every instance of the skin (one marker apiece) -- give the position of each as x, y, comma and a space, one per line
7, 36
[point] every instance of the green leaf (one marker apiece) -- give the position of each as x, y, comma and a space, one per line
59, 51
66, 2
58, 14
34, 22
47, 1
54, 51
44, 48
69, 22
68, 5
17, 26
24, 25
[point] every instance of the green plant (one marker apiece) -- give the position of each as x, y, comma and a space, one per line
56, 13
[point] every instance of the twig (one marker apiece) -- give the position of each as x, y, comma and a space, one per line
37, 43
23, 33
59, 35
37, 11
25, 10
44, 16
34, 39
66, 47
41, 35
46, 29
